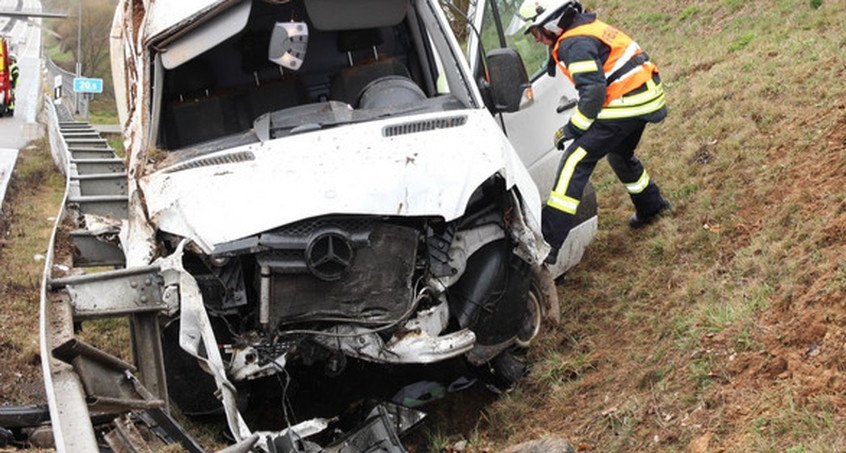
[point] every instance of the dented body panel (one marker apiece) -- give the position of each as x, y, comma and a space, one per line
352, 170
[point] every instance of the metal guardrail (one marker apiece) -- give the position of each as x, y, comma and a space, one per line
81, 380
77, 374
63, 387
67, 93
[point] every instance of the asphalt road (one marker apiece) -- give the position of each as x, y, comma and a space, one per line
17, 131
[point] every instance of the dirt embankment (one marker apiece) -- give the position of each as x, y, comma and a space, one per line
26, 221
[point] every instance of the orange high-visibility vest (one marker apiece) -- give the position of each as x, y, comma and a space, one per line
623, 49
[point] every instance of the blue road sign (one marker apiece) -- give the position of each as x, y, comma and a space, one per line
84, 85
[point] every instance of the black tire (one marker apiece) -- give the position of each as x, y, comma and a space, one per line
508, 368
190, 388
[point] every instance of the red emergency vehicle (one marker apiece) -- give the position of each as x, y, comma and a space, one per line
5, 79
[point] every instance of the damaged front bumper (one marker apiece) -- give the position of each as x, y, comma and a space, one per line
110, 385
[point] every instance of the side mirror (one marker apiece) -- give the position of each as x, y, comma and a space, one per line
507, 79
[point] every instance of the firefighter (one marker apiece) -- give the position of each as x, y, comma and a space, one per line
14, 74
619, 93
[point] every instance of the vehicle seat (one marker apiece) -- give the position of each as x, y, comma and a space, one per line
365, 64
390, 91
194, 114
274, 90
348, 85
191, 81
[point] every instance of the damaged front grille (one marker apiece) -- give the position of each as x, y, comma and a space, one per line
354, 269
306, 228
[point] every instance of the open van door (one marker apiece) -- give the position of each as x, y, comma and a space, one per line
543, 110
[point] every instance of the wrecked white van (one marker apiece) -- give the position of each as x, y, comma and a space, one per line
315, 180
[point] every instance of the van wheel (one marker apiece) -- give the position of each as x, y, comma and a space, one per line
534, 315
509, 367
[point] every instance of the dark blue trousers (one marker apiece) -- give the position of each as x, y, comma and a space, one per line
616, 139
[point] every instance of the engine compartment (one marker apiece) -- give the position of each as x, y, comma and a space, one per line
382, 289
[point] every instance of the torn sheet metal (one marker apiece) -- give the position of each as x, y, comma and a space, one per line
245, 365
378, 429
409, 347
198, 339
195, 334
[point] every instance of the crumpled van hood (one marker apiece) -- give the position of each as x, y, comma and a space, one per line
352, 169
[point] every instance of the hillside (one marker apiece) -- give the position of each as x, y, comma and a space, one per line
721, 328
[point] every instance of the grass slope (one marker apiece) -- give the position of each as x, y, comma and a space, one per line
722, 328
29, 209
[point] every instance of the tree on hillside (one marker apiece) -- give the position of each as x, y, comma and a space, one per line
96, 25
459, 26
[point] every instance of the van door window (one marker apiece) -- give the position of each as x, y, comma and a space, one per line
511, 29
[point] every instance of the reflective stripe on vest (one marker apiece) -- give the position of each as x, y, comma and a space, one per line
623, 49
642, 103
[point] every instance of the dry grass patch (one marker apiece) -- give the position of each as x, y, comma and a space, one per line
32, 202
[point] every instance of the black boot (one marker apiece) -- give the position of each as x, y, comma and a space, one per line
638, 220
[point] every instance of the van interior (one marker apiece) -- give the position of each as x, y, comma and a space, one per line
217, 78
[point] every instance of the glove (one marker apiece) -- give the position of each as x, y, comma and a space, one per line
564, 134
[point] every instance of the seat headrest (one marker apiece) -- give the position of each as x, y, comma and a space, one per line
351, 40
191, 77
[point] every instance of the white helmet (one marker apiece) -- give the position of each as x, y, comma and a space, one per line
13, 57
547, 13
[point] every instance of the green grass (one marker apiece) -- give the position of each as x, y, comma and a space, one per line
53, 50
102, 117
116, 143
815, 427
704, 301
438, 440
103, 110
557, 368
688, 12
742, 42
